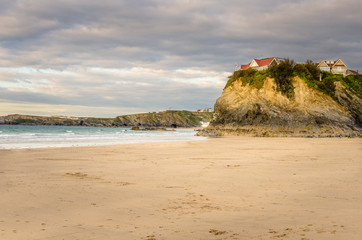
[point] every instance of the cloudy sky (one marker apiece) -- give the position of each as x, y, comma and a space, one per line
108, 58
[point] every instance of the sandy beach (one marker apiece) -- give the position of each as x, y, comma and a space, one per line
222, 188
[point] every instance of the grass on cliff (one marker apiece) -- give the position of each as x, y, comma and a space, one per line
284, 72
354, 83
324, 81
249, 76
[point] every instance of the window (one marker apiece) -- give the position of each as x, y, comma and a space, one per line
325, 68
339, 68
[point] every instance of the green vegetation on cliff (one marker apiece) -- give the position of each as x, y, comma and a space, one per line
353, 83
249, 76
284, 72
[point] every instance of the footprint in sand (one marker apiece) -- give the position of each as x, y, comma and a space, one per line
216, 232
151, 237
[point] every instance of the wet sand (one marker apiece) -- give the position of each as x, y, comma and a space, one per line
223, 188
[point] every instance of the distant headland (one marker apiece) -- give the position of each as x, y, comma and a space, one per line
169, 119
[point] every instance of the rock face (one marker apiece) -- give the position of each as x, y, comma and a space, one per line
351, 101
246, 110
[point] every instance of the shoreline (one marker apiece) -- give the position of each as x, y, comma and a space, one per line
91, 126
221, 188
60, 136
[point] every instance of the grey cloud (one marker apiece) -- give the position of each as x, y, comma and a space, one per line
189, 30
151, 98
205, 36
141, 88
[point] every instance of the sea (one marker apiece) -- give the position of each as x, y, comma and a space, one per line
24, 136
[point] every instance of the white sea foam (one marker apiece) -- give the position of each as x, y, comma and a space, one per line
60, 136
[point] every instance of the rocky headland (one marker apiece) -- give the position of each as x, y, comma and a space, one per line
166, 119
249, 108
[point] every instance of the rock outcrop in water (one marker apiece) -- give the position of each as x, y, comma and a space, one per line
246, 110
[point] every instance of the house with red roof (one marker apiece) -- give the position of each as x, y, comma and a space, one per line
333, 66
261, 64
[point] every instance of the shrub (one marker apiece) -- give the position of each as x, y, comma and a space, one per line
327, 86
283, 73
313, 70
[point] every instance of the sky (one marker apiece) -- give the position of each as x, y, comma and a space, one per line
109, 58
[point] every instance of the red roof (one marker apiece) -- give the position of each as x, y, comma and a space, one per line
264, 62
260, 62
242, 67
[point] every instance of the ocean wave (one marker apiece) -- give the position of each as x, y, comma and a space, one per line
54, 136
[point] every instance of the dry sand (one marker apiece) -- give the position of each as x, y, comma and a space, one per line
224, 188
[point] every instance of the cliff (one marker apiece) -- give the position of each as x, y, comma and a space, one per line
244, 109
162, 119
